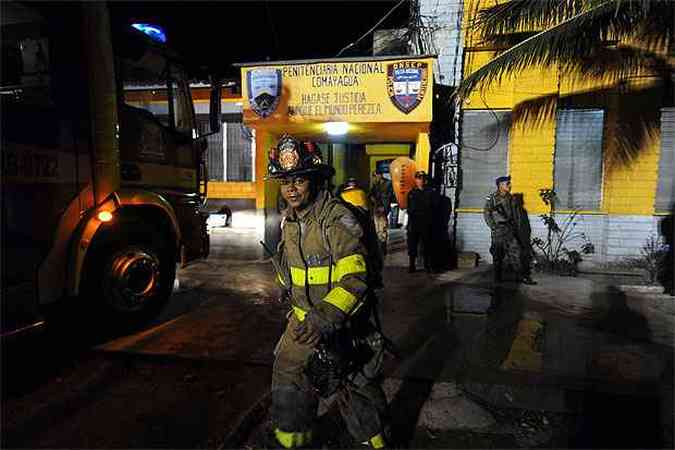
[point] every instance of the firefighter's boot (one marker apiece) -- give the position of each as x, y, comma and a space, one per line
377, 441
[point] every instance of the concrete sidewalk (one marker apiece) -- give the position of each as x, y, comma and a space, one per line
477, 358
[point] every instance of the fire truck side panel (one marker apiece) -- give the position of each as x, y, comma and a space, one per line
45, 148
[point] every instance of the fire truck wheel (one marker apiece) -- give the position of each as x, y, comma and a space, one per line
132, 278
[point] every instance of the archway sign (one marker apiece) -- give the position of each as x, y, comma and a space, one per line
376, 101
368, 94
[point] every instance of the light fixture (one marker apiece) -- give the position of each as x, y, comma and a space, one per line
155, 32
105, 216
336, 128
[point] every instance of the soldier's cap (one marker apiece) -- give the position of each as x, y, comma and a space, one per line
294, 158
501, 180
420, 174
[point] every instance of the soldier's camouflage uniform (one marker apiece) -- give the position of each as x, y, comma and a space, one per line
323, 263
502, 217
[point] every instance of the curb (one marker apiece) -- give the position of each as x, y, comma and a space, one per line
247, 423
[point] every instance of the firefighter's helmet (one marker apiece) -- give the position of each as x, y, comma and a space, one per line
293, 158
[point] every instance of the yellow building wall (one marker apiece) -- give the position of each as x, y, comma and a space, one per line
531, 163
263, 142
422, 150
380, 152
631, 189
232, 189
628, 188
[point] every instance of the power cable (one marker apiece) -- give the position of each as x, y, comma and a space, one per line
372, 29
498, 128
275, 38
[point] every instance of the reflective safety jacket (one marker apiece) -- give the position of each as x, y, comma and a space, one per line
322, 257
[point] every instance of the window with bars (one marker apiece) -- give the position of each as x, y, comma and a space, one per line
665, 193
230, 153
483, 154
578, 158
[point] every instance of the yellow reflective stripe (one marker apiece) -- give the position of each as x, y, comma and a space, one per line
315, 275
377, 441
281, 280
299, 313
350, 264
297, 276
341, 299
318, 275
293, 439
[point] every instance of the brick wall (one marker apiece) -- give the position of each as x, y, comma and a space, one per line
614, 237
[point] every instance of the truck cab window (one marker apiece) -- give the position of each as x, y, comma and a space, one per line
184, 114
25, 56
163, 94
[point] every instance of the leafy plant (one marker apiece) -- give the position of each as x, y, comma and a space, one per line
555, 254
652, 258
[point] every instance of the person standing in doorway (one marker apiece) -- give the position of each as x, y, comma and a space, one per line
502, 215
381, 192
421, 202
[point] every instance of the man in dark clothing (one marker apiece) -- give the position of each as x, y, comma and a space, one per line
504, 216
421, 203
381, 192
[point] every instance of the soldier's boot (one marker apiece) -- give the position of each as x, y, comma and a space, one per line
527, 279
411, 265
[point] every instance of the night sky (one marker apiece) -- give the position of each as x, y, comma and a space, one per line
217, 34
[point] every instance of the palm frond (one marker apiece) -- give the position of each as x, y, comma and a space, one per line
524, 15
613, 64
653, 18
635, 122
575, 38
657, 29
503, 42
536, 111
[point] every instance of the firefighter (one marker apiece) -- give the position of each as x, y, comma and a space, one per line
322, 260
502, 215
352, 193
421, 204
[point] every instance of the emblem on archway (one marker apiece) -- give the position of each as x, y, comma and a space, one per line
264, 90
407, 83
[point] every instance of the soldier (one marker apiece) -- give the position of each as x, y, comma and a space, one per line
322, 261
381, 192
421, 203
501, 214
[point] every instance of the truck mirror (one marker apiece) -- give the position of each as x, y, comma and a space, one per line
215, 108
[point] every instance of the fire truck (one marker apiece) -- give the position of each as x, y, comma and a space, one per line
103, 169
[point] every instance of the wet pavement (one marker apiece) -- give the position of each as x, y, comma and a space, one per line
570, 362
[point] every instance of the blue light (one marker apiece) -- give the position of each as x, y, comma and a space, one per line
155, 32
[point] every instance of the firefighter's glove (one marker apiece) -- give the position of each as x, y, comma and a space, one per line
320, 323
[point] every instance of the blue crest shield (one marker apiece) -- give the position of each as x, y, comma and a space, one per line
264, 90
406, 84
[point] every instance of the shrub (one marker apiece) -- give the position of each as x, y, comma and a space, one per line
652, 258
554, 252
